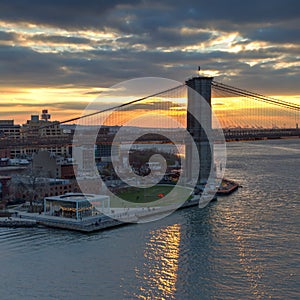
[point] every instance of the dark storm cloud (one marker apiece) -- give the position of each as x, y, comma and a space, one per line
238, 12
59, 13
165, 37
23, 66
152, 25
276, 35
7, 36
221, 15
147, 15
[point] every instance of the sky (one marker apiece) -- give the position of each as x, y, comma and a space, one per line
60, 54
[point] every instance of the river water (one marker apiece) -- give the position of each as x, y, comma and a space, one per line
244, 246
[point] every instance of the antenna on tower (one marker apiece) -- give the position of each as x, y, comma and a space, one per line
199, 68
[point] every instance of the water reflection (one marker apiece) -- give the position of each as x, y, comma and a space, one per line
237, 224
158, 276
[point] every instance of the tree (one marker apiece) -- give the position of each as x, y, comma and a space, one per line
30, 186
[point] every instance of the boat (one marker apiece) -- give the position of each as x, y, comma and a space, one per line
227, 187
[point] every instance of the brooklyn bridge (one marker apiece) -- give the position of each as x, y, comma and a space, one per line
242, 115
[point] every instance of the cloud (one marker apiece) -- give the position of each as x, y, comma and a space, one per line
100, 43
64, 105
60, 39
152, 106
276, 35
24, 67
59, 13
7, 36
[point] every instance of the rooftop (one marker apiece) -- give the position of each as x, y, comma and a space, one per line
77, 197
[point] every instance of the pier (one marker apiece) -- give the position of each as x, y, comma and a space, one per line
17, 223
119, 217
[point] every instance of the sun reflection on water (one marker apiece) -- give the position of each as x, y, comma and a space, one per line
159, 274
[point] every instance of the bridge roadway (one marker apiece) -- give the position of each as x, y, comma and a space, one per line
233, 134
237, 134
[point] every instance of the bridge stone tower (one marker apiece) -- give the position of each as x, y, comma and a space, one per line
199, 105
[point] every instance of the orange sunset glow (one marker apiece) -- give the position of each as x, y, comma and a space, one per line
66, 103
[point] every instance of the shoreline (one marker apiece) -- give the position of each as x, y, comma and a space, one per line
118, 217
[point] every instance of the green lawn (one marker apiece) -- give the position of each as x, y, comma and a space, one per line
152, 196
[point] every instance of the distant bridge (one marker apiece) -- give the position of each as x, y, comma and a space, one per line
237, 134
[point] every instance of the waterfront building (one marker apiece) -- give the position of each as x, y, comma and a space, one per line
9, 129
76, 206
37, 128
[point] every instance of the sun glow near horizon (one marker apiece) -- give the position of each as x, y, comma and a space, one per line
67, 102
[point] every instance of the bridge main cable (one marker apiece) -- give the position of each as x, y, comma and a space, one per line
121, 105
107, 109
255, 96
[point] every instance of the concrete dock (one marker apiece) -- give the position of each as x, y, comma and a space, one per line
17, 222
120, 217
117, 217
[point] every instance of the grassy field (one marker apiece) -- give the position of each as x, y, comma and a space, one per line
152, 196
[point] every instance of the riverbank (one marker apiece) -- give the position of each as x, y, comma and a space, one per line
17, 222
117, 216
